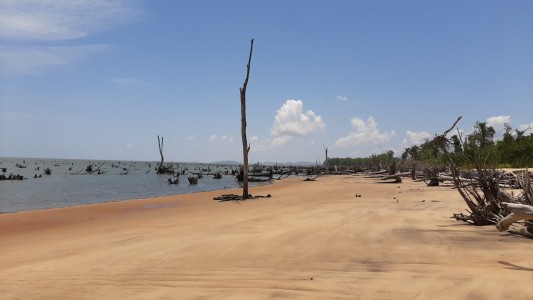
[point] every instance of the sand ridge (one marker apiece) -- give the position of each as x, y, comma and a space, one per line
311, 240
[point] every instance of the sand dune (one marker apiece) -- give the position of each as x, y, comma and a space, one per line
311, 240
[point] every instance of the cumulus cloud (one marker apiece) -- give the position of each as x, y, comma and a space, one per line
498, 123
415, 138
526, 127
291, 121
364, 133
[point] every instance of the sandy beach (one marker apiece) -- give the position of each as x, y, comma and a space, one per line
311, 240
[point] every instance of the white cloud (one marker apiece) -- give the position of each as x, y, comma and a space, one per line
22, 60
130, 146
290, 120
281, 140
342, 98
364, 133
53, 20
223, 138
527, 127
415, 138
226, 138
190, 138
498, 123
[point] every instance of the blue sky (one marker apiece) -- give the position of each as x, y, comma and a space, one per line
100, 79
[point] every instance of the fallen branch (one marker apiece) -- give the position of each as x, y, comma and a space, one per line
397, 178
233, 197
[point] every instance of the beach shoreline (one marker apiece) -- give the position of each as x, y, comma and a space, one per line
310, 240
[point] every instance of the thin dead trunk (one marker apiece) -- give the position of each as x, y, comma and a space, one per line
326, 166
245, 146
160, 144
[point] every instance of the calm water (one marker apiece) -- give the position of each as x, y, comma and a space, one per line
70, 185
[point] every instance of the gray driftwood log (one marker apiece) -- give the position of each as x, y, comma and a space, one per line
518, 212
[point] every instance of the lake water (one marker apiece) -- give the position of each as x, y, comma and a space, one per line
69, 184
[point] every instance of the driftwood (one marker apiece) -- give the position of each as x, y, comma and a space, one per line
482, 198
175, 181
286, 174
255, 179
381, 175
397, 178
11, 177
233, 197
381, 172
487, 202
518, 212
312, 178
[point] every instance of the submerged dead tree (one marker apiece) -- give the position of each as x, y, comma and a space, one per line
245, 145
161, 168
160, 144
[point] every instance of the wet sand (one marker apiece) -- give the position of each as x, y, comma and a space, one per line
311, 240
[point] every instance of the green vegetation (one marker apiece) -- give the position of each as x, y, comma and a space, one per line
514, 150
375, 161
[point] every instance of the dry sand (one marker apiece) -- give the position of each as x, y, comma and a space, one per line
311, 240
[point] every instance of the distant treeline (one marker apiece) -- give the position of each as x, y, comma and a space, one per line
515, 149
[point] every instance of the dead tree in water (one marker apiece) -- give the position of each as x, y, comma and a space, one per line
160, 168
245, 145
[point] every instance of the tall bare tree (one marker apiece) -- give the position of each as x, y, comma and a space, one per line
245, 145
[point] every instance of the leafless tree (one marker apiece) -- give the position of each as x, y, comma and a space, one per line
245, 145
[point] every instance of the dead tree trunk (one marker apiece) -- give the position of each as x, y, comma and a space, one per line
326, 165
160, 169
245, 146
